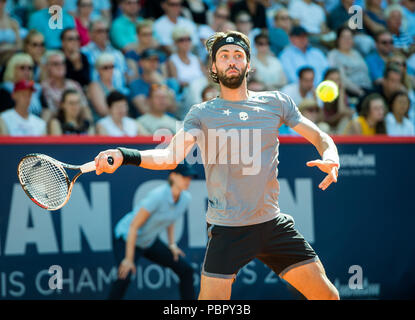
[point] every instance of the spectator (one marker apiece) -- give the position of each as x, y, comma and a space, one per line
140, 88
408, 10
397, 122
371, 120
156, 118
184, 65
77, 64
302, 89
100, 44
116, 123
376, 60
10, 41
164, 26
340, 17
39, 20
243, 23
353, 68
308, 15
268, 68
398, 60
337, 113
197, 10
278, 34
83, 20
54, 83
101, 9
309, 108
20, 67
71, 118
401, 39
256, 85
99, 90
19, 121
210, 92
145, 41
374, 19
123, 34
299, 54
254, 8
34, 45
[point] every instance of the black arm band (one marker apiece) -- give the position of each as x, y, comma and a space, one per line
130, 156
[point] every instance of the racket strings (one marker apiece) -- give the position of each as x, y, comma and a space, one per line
44, 180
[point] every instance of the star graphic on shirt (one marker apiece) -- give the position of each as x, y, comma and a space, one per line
257, 109
227, 112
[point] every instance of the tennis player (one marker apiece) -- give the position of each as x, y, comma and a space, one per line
136, 234
243, 217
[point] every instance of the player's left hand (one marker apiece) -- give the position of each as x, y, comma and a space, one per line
329, 167
176, 251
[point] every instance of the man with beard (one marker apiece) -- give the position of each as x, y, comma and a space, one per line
243, 217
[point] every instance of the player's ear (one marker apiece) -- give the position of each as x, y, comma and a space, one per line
213, 67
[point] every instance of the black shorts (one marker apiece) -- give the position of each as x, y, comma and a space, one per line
276, 243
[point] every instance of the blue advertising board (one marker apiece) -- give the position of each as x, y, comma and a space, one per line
361, 227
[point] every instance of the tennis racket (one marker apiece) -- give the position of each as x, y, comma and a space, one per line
45, 180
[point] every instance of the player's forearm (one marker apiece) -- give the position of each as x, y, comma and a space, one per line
157, 159
130, 245
327, 148
170, 234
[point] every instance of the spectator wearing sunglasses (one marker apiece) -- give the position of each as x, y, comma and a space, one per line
19, 68
77, 64
101, 9
99, 44
99, 90
83, 19
279, 32
34, 45
376, 61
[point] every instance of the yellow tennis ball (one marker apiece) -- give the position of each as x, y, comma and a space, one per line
327, 91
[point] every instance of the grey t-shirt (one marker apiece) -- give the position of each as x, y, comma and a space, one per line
239, 148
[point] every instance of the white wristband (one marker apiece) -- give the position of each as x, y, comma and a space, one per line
173, 246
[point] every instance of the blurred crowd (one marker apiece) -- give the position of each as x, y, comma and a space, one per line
133, 67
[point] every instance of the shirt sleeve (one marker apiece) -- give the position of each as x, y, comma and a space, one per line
191, 120
290, 113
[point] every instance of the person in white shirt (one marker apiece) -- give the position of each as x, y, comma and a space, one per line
309, 15
157, 119
116, 123
397, 122
163, 26
268, 68
302, 89
19, 121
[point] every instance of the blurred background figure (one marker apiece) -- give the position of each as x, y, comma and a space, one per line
100, 9
71, 117
309, 108
83, 20
117, 123
255, 10
157, 117
303, 88
99, 90
280, 31
34, 45
337, 113
19, 121
210, 92
371, 120
397, 121
10, 40
268, 68
54, 83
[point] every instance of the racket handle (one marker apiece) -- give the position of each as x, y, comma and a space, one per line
90, 166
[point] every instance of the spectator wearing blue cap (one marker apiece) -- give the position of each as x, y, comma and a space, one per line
136, 234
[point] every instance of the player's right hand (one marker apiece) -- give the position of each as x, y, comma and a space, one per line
101, 161
125, 268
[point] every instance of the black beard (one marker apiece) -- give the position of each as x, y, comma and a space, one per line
233, 81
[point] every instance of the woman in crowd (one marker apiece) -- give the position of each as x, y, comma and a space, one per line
337, 113
20, 67
397, 121
71, 116
184, 65
268, 68
100, 89
116, 123
353, 68
34, 45
371, 120
10, 41
54, 83
83, 19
